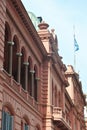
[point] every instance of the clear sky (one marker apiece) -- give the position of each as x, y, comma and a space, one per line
62, 15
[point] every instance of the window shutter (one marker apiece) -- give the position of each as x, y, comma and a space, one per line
3, 120
11, 122
7, 121
26, 127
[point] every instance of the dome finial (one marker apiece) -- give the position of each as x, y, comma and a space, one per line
43, 25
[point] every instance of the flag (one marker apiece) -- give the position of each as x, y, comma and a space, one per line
76, 46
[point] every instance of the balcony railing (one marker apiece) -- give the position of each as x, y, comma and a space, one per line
60, 119
12, 84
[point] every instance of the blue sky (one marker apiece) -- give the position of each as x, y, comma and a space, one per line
62, 15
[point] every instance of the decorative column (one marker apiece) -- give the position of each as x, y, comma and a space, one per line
26, 75
19, 66
10, 56
32, 81
37, 85
2, 33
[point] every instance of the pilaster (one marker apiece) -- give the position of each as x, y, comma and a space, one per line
44, 35
2, 39
2, 30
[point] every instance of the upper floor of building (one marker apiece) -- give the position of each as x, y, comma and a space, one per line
32, 69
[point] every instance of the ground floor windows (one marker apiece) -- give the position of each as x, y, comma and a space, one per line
26, 127
7, 121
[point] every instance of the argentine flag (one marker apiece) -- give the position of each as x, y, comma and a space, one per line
76, 46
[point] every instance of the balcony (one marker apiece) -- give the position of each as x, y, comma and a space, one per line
16, 88
60, 119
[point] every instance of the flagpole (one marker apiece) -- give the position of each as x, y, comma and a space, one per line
74, 61
74, 47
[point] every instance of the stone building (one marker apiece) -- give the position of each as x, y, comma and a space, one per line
75, 92
37, 91
85, 112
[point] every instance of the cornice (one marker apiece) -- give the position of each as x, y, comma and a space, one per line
58, 67
75, 77
28, 24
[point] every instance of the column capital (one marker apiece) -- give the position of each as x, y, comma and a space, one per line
19, 54
26, 63
10, 43
32, 71
37, 78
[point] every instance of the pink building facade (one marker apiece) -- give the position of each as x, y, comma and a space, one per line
37, 91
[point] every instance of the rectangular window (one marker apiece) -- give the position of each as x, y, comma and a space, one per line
7, 121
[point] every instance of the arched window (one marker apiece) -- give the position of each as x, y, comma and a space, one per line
35, 83
24, 124
7, 119
22, 68
37, 127
59, 99
6, 47
14, 59
52, 92
30, 76
55, 96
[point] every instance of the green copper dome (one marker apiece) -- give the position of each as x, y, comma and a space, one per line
34, 20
